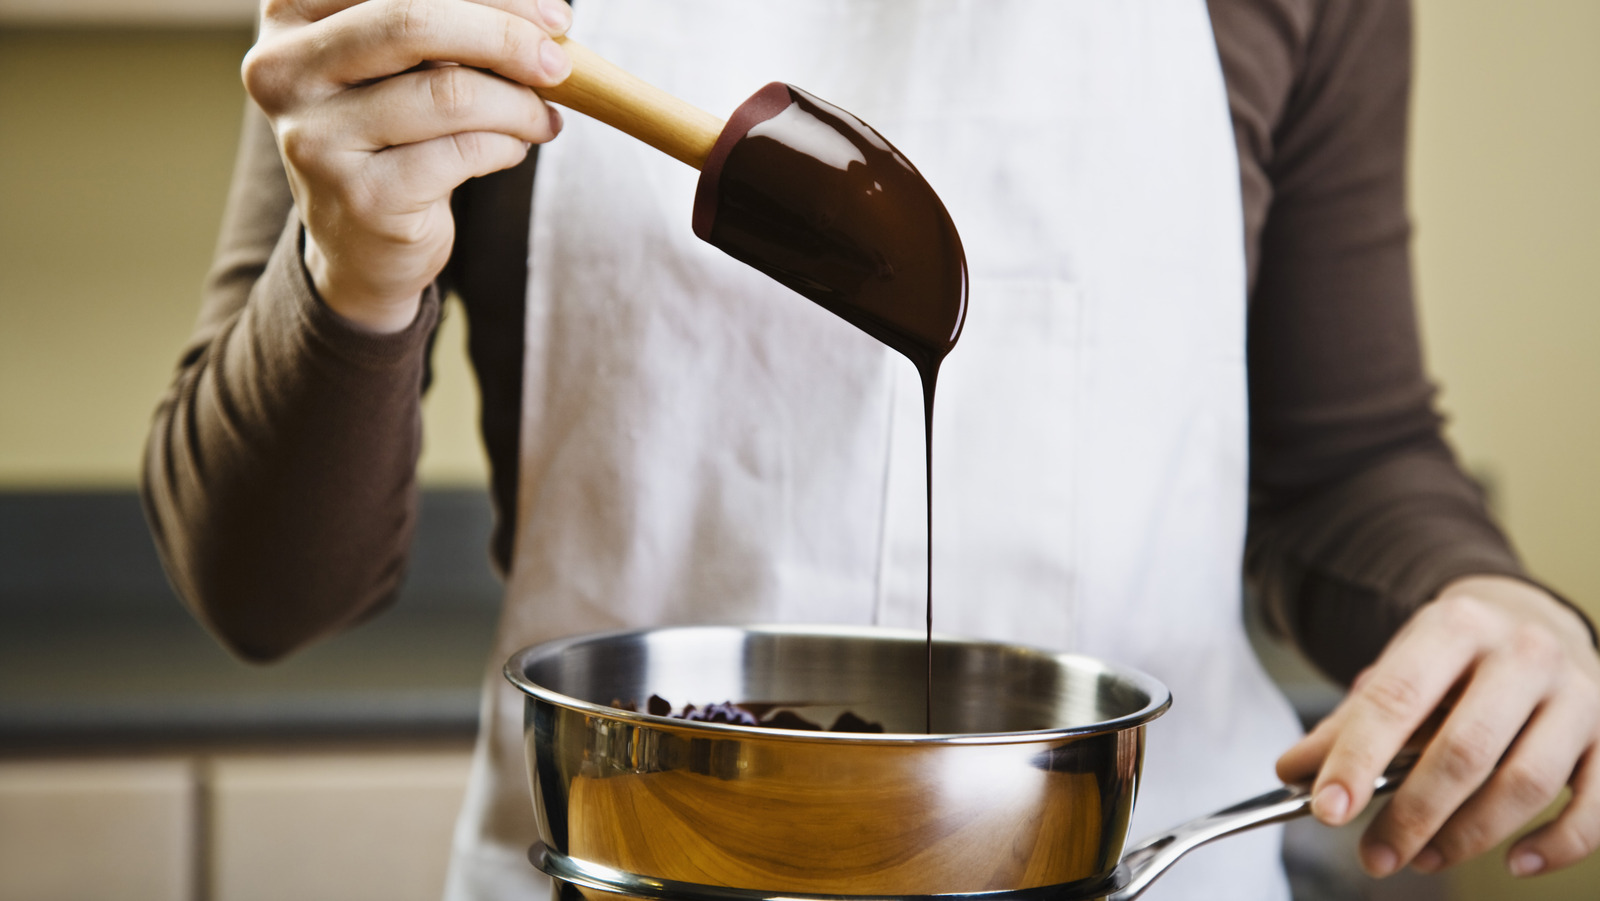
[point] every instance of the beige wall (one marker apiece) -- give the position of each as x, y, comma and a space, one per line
1506, 191
1506, 186
115, 150
114, 155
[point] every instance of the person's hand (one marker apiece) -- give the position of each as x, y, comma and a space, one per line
381, 109
1505, 679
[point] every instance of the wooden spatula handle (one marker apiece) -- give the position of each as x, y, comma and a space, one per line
600, 89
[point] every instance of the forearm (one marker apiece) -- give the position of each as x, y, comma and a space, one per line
1358, 513
1341, 569
279, 475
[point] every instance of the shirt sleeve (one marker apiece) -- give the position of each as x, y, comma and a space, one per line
279, 476
1359, 511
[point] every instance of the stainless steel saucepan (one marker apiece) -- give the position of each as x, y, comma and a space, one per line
1025, 788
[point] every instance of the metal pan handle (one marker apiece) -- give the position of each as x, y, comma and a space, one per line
1150, 858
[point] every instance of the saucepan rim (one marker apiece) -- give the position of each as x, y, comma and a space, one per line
1160, 696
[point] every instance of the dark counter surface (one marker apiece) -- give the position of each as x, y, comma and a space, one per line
96, 651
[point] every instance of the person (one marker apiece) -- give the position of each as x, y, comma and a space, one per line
673, 439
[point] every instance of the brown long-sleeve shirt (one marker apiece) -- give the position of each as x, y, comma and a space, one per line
280, 478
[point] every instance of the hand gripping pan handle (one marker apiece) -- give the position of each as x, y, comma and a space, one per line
1147, 860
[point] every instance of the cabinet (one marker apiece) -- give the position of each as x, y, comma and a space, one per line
94, 829
335, 826
346, 825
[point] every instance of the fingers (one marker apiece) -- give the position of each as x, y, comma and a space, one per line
1526, 782
381, 38
396, 146
1505, 689
1391, 702
1301, 762
431, 103
554, 15
1544, 760
1571, 836
444, 162
384, 37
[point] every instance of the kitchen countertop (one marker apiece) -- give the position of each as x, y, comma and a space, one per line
157, 680
96, 651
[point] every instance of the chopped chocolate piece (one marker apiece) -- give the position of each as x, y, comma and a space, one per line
753, 713
788, 719
726, 712
849, 722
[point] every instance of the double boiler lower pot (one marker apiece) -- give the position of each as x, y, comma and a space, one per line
1024, 786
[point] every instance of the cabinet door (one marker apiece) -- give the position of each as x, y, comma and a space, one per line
334, 826
97, 829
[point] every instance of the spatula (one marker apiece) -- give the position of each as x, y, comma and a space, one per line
808, 194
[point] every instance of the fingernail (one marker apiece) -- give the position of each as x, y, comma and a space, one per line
556, 14
554, 60
1429, 861
555, 121
1331, 804
1526, 863
1379, 860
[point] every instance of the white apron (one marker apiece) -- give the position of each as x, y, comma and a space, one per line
700, 444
